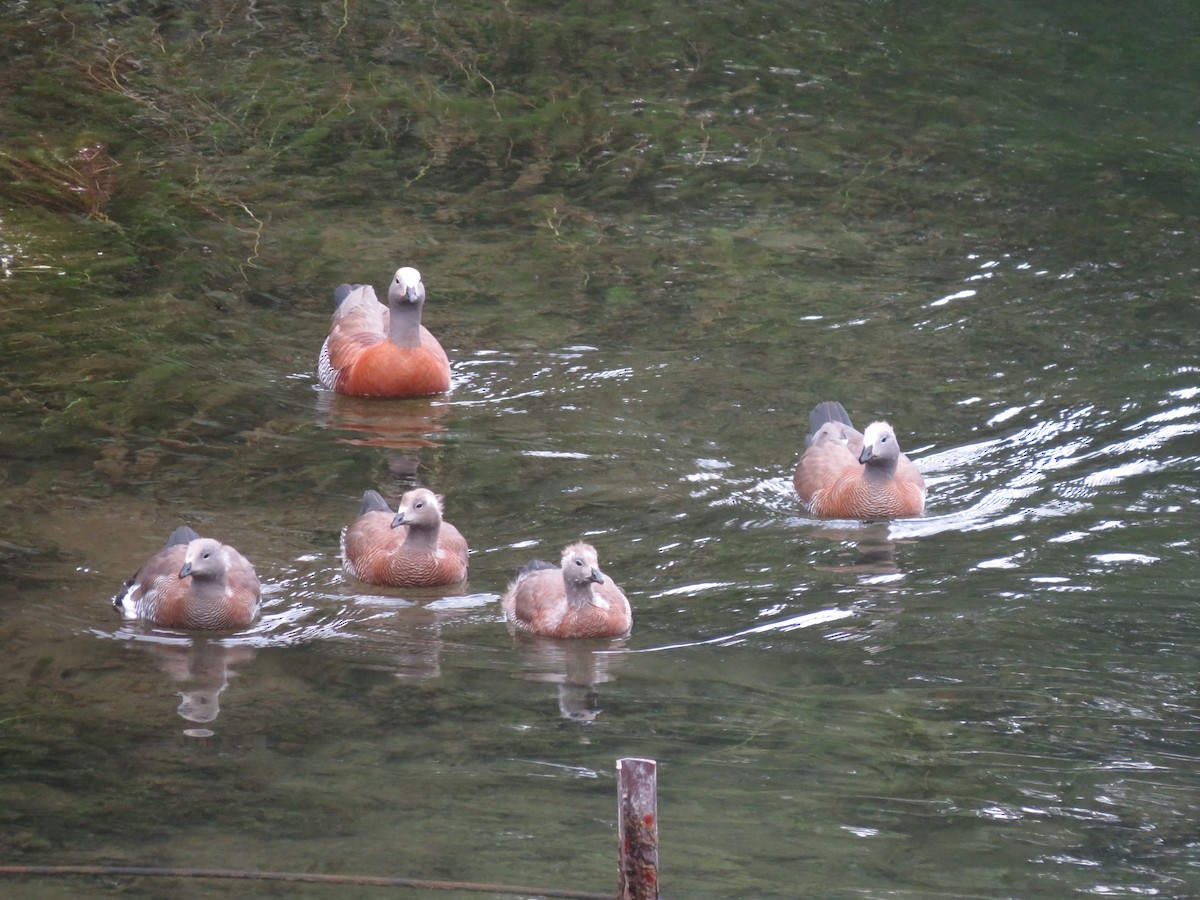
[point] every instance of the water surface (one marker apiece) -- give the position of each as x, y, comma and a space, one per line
978, 224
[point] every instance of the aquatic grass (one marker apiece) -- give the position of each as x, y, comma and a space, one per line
80, 180
460, 87
746, 155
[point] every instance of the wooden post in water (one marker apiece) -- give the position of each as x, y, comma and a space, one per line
637, 828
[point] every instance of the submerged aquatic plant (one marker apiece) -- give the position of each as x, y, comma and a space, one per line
81, 180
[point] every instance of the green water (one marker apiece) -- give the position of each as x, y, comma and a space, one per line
653, 237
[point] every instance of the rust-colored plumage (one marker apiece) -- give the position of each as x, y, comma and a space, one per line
193, 583
412, 547
383, 351
573, 600
845, 474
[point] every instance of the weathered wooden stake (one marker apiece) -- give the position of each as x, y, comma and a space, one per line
637, 828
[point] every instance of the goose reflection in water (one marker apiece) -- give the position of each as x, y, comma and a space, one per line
202, 668
400, 636
397, 425
576, 667
404, 428
869, 553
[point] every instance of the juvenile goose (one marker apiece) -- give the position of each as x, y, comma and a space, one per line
383, 351
573, 600
845, 474
193, 583
410, 548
